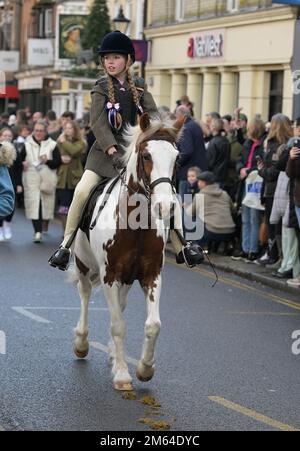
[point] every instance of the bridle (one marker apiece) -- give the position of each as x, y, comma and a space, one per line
148, 186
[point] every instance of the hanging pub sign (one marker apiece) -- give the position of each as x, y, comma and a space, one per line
207, 45
70, 31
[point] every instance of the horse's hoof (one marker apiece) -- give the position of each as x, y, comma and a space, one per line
123, 386
80, 354
145, 373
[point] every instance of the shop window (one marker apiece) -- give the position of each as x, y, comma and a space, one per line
48, 22
276, 93
41, 24
232, 6
179, 10
128, 14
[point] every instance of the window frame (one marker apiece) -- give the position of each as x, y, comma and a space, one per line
179, 10
233, 6
48, 22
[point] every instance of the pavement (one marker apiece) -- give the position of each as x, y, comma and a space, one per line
227, 357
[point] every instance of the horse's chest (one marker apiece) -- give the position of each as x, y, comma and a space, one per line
134, 255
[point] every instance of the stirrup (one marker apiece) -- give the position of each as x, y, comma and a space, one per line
198, 254
61, 262
189, 265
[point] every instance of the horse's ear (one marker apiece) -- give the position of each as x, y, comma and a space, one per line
179, 124
145, 122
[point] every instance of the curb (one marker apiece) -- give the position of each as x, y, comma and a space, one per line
252, 277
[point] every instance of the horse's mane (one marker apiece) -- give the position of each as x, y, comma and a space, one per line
133, 136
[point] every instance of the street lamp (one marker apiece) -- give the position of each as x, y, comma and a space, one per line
121, 23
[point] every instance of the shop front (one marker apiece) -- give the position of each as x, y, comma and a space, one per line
220, 63
9, 98
72, 94
35, 92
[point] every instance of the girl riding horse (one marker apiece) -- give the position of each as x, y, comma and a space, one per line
117, 100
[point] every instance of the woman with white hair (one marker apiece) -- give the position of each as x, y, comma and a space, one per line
41, 159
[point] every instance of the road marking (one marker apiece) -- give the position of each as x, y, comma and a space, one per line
101, 347
30, 315
66, 308
25, 312
241, 286
252, 414
264, 313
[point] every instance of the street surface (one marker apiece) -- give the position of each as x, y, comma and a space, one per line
224, 355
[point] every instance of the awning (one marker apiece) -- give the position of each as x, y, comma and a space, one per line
11, 92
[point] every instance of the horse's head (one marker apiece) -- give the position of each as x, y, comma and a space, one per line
156, 162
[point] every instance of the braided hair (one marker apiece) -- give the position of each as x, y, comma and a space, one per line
114, 115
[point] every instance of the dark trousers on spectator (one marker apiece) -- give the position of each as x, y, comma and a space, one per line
6, 219
38, 223
210, 237
271, 227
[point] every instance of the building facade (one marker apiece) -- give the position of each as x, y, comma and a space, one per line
133, 11
10, 21
223, 54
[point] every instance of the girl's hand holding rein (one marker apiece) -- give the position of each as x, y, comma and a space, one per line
111, 151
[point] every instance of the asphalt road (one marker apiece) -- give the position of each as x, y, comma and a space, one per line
224, 355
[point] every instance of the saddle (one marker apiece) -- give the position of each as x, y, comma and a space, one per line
88, 210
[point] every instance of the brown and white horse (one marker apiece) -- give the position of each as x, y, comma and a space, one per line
119, 252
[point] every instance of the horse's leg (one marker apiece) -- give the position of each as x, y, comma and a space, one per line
145, 368
81, 344
115, 296
123, 303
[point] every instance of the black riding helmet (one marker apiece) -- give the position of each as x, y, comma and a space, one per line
117, 42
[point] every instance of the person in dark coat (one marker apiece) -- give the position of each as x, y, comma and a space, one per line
191, 146
218, 153
279, 134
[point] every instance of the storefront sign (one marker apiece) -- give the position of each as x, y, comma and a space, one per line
9, 61
30, 83
287, 2
207, 45
40, 52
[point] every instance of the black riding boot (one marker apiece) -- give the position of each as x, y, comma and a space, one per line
61, 259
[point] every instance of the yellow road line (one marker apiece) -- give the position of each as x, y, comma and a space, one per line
241, 286
252, 414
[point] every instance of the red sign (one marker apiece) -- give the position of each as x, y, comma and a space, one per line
10, 92
141, 50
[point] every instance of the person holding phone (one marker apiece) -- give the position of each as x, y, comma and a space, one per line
253, 152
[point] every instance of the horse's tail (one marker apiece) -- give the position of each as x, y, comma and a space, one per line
73, 277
